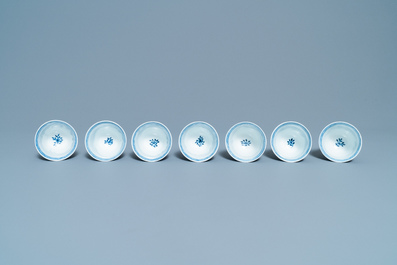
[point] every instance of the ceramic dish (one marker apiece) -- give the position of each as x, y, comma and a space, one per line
245, 142
340, 142
291, 141
56, 140
198, 141
105, 141
151, 141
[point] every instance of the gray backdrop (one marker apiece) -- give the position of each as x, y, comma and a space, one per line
176, 62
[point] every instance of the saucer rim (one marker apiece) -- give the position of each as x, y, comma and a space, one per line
133, 142
53, 158
301, 157
195, 159
236, 157
330, 157
89, 131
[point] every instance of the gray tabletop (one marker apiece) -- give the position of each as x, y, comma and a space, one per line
176, 62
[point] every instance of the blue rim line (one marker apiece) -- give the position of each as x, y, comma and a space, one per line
88, 135
304, 129
143, 157
236, 157
49, 157
195, 159
332, 125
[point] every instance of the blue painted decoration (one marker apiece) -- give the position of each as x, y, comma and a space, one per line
200, 141
245, 142
154, 142
291, 142
57, 139
340, 142
109, 141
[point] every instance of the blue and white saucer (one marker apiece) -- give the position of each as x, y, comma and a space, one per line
151, 141
198, 141
291, 141
56, 140
245, 142
340, 141
105, 141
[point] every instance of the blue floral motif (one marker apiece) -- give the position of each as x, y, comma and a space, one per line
245, 142
109, 141
154, 142
340, 142
291, 142
200, 141
57, 139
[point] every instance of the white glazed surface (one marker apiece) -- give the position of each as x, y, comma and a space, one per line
242, 150
48, 147
351, 139
302, 141
191, 133
98, 134
144, 146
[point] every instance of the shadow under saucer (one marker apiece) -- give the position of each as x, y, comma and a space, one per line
317, 154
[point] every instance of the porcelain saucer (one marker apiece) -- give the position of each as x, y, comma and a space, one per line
151, 141
105, 141
198, 141
245, 142
56, 140
291, 141
340, 142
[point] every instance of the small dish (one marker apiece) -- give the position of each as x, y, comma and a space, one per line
340, 142
56, 140
198, 141
245, 142
151, 141
105, 141
291, 141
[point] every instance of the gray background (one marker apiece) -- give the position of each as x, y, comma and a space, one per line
179, 61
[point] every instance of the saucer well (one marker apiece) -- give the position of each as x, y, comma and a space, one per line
245, 142
151, 141
105, 141
198, 141
340, 141
291, 141
56, 140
